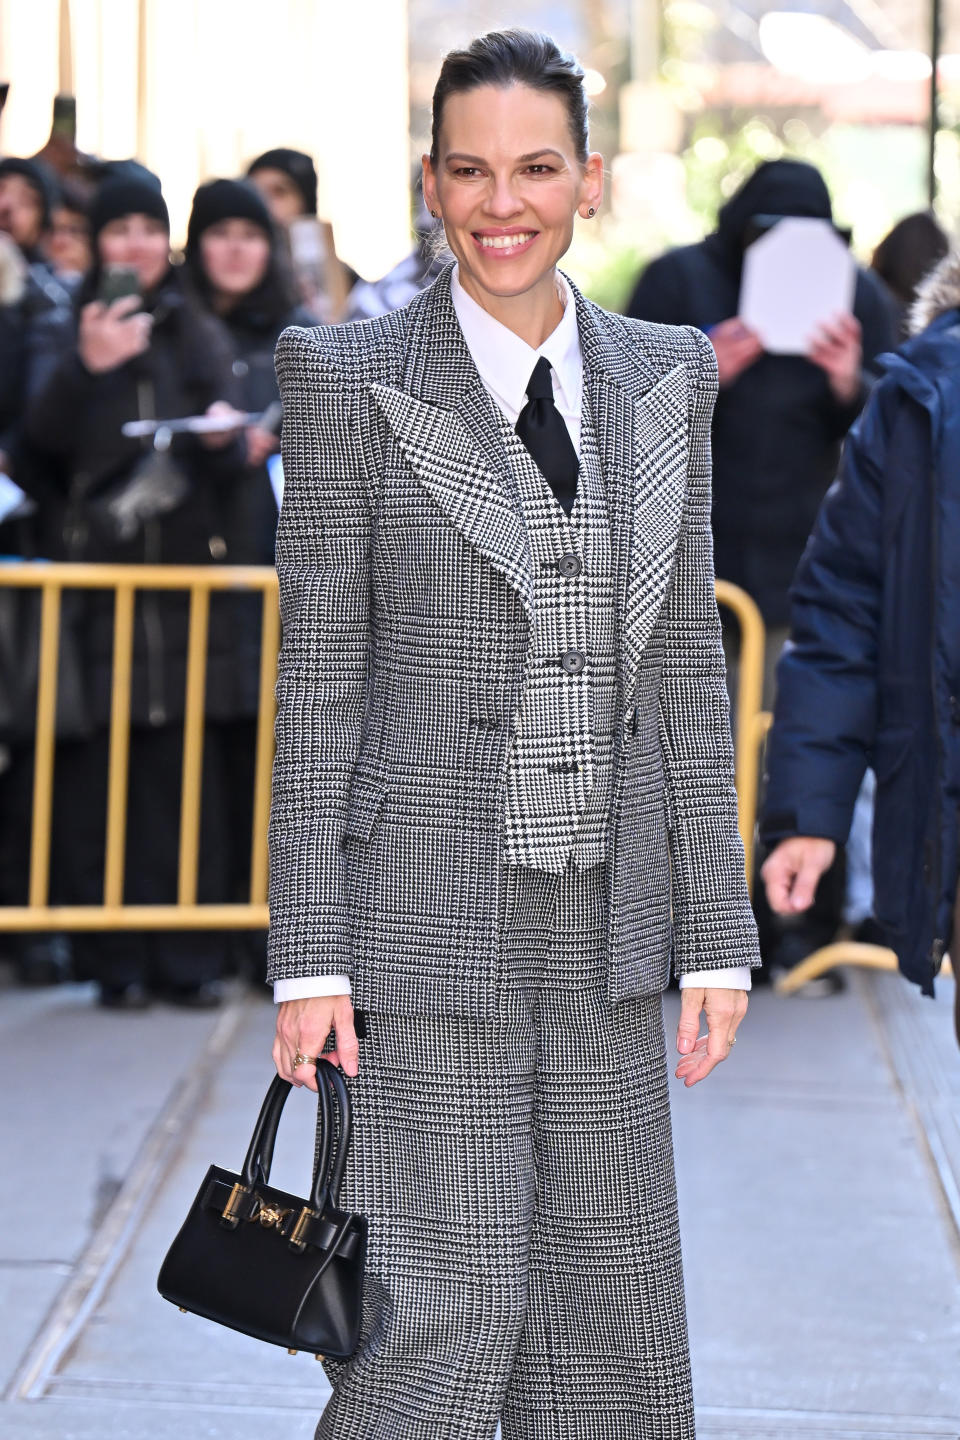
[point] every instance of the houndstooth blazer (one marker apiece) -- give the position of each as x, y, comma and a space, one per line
406, 595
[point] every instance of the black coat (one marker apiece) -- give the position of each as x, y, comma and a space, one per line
872, 675
77, 457
777, 430
254, 336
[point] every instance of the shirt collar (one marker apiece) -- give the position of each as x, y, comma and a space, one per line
506, 362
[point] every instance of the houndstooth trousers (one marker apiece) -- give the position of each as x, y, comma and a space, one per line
524, 1262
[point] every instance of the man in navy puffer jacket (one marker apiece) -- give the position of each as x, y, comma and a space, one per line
872, 672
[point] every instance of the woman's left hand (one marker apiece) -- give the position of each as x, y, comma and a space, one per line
837, 347
261, 444
723, 1011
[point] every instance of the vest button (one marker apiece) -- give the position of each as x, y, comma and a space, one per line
569, 566
573, 661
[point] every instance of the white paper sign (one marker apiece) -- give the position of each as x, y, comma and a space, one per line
795, 277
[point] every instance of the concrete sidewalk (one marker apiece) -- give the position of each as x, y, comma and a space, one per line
820, 1191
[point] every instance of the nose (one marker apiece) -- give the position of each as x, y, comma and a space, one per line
502, 201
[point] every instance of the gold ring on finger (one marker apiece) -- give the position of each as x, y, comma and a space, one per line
301, 1059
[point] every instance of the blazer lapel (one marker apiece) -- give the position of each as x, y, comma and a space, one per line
659, 490
449, 433
641, 420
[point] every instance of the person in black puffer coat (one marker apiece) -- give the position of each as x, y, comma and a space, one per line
236, 267
777, 430
114, 499
237, 270
779, 419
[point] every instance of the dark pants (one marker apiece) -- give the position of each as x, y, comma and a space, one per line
784, 940
151, 958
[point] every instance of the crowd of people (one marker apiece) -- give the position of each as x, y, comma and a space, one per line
101, 325
98, 328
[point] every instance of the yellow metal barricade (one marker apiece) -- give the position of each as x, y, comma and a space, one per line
751, 721
125, 581
751, 726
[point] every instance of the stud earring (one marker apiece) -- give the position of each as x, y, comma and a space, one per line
592, 210
434, 214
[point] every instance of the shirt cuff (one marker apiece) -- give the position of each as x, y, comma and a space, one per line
737, 977
308, 986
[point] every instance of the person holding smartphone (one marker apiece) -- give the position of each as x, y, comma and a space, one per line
139, 347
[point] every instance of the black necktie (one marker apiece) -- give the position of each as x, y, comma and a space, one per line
543, 430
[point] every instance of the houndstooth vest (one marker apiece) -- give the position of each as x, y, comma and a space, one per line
559, 770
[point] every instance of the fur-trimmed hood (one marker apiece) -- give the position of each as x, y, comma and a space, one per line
937, 293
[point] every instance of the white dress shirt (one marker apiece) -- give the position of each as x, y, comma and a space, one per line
505, 363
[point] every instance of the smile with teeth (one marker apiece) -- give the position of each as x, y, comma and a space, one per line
505, 242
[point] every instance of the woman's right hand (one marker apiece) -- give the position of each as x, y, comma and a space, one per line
110, 335
303, 1025
736, 348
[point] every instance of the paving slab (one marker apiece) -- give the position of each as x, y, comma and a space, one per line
822, 1251
821, 1261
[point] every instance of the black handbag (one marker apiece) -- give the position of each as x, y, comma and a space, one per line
276, 1267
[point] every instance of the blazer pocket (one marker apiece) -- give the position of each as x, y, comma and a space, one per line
363, 807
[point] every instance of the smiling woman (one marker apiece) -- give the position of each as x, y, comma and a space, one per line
508, 214
503, 795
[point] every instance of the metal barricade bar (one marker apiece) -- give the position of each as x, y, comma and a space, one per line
126, 581
118, 771
751, 721
44, 749
752, 724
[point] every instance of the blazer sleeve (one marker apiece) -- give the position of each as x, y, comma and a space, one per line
323, 566
712, 920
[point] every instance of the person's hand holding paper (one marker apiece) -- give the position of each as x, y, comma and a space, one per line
736, 348
837, 348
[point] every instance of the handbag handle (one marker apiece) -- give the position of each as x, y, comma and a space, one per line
338, 1155
331, 1158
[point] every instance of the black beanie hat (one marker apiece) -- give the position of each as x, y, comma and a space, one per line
298, 166
226, 200
37, 175
119, 196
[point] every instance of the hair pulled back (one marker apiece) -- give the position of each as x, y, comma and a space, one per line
514, 57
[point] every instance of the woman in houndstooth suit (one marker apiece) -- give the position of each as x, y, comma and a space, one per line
503, 794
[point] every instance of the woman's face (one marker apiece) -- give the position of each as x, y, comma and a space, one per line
235, 255
281, 196
508, 185
21, 211
139, 242
68, 243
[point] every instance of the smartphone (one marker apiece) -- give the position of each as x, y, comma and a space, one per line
308, 247
116, 282
65, 117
